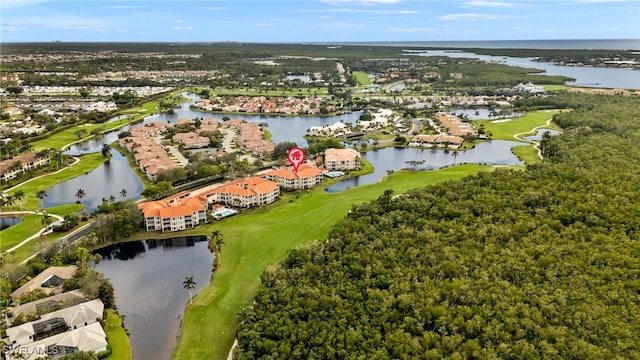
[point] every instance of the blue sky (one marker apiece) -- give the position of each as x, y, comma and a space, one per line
317, 21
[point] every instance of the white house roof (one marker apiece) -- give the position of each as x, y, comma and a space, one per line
79, 315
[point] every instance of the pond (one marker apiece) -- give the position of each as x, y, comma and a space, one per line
147, 277
496, 152
481, 114
109, 179
282, 128
538, 134
6, 222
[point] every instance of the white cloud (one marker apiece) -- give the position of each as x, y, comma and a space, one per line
212, 8
122, 31
414, 30
494, 4
473, 17
324, 17
359, 11
362, 2
15, 4
179, 27
263, 24
177, 21
118, 7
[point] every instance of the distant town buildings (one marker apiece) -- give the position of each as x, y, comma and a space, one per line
454, 125
337, 129
290, 105
529, 88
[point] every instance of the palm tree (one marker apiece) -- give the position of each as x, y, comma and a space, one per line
81, 194
455, 155
123, 193
19, 195
189, 284
106, 151
41, 194
9, 200
57, 158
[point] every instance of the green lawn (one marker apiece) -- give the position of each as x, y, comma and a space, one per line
116, 337
59, 140
362, 78
263, 237
527, 153
87, 163
31, 224
504, 130
13, 235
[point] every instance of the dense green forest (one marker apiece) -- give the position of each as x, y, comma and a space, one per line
535, 264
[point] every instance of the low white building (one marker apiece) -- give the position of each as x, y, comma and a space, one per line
337, 129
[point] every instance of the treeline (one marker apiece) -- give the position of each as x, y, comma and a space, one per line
542, 263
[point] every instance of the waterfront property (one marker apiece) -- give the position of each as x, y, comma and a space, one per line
454, 125
307, 177
12, 168
90, 338
49, 281
244, 193
46, 305
441, 140
177, 212
341, 159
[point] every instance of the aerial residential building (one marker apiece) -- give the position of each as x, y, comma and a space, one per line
90, 338
307, 177
178, 212
245, 193
454, 125
47, 305
12, 168
337, 129
341, 159
49, 280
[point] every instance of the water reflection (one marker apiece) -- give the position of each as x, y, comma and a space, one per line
147, 277
496, 152
103, 182
6, 222
540, 132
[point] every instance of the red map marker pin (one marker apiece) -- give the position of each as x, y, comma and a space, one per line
296, 157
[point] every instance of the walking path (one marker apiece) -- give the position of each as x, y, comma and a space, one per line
75, 161
537, 143
42, 231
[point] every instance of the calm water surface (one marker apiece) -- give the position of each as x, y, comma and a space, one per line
147, 277
6, 222
106, 180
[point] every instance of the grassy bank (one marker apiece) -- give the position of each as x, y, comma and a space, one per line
117, 337
86, 164
504, 129
262, 238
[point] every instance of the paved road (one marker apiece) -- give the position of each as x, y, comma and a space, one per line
42, 231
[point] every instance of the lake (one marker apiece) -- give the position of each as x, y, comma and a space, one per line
6, 222
496, 152
585, 76
147, 277
106, 180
